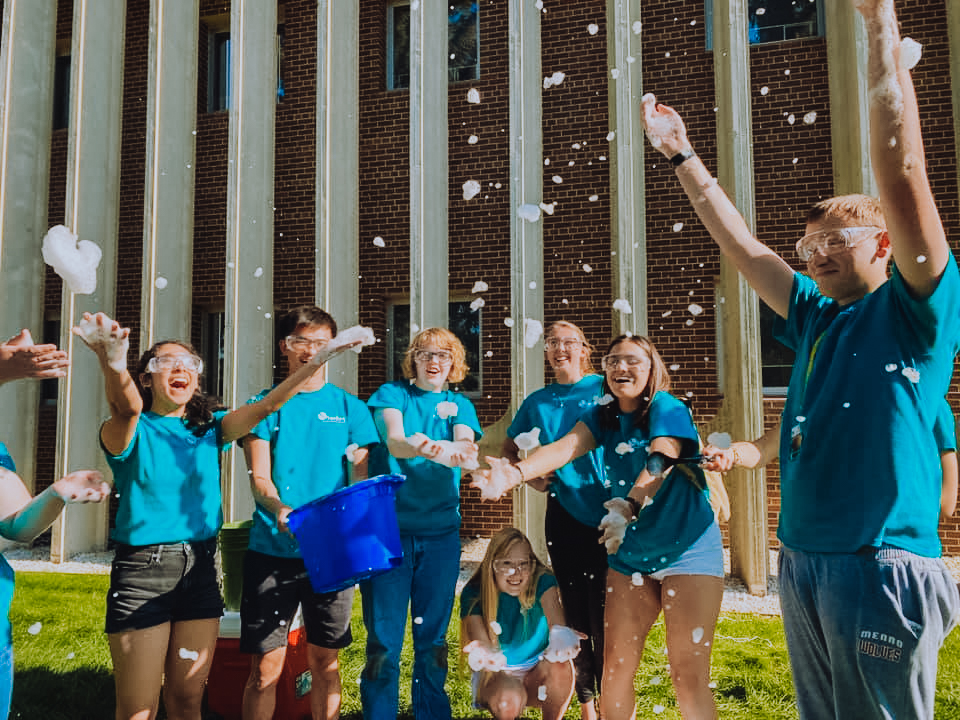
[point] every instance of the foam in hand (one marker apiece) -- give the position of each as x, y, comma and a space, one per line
528, 440
493, 483
72, 259
564, 644
352, 334
116, 345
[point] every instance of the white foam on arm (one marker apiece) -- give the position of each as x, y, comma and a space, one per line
353, 334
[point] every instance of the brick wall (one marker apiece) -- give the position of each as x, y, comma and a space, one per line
683, 265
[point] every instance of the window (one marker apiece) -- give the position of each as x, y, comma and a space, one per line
770, 21
463, 43
218, 66
463, 322
61, 92
51, 334
211, 350
776, 359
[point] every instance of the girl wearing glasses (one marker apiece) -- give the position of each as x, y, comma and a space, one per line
664, 542
163, 441
514, 633
427, 434
575, 497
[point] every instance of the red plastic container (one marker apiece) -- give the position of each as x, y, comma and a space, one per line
230, 669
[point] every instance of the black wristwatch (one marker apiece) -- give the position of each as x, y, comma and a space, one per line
682, 156
634, 506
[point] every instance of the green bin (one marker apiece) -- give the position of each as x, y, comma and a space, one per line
233, 538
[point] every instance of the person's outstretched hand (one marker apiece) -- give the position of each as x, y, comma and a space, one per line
82, 486
564, 644
717, 459
484, 657
663, 126
614, 524
494, 481
20, 358
106, 338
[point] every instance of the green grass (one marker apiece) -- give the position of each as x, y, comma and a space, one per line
63, 671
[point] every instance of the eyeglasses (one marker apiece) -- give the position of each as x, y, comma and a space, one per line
296, 342
557, 343
442, 356
511, 567
612, 362
830, 242
168, 362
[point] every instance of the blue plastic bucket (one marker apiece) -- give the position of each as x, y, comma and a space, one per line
350, 535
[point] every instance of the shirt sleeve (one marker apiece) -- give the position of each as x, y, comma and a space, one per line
805, 299
6, 459
263, 429
362, 430
669, 417
945, 429
467, 415
388, 395
521, 421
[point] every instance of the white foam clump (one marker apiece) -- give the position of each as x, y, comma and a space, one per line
477, 304
35, 628
593, 28
636, 27
890, 367
587, 268
623, 448
611, 135
116, 347
508, 321
349, 452
697, 635
532, 330
910, 52
352, 334
614, 73
447, 409
160, 282
791, 118
557, 179
720, 440
473, 96
473, 140
528, 440
528, 212
74, 260
658, 709
674, 367
677, 227
810, 118
418, 620
911, 374
605, 399
258, 272
548, 207
378, 241
542, 693
480, 286
552, 80
694, 309
593, 198
764, 90
471, 188
636, 579
495, 626
189, 654
622, 306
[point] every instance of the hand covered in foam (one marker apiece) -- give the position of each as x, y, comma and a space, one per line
663, 126
450, 453
72, 259
355, 338
497, 480
82, 486
564, 644
106, 338
484, 657
614, 523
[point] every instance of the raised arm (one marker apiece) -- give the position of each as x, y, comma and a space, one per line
747, 454
896, 150
110, 343
23, 518
766, 271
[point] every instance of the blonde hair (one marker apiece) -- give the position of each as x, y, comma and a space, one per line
861, 209
488, 595
586, 365
443, 339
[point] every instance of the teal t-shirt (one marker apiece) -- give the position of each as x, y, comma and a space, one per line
6, 572
680, 512
555, 409
168, 482
428, 503
308, 438
524, 634
859, 464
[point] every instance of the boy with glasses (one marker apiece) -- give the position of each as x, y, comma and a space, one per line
866, 599
316, 444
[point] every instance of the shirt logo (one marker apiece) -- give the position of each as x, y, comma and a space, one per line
323, 417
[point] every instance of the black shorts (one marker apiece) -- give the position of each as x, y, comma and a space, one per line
155, 584
272, 589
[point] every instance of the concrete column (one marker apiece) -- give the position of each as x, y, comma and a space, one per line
248, 335
953, 33
429, 299
526, 238
850, 118
338, 175
627, 205
26, 109
742, 408
165, 309
92, 212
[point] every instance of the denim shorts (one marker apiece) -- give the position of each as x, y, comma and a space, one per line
704, 557
272, 589
155, 584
